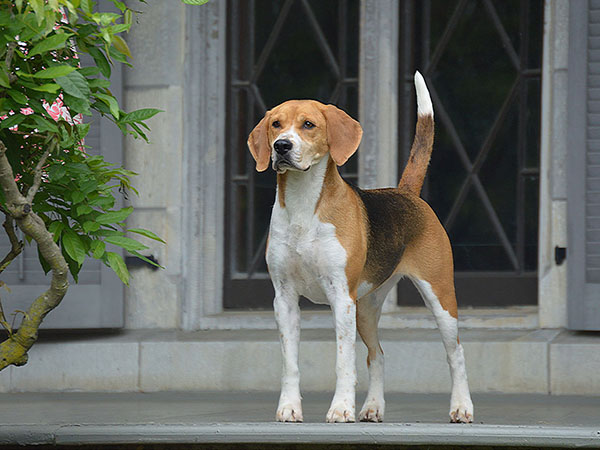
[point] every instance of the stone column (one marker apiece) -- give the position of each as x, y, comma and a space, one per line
204, 162
552, 279
378, 99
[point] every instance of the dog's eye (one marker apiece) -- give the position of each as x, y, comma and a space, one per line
308, 125
276, 124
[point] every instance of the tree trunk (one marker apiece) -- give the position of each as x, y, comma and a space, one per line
14, 349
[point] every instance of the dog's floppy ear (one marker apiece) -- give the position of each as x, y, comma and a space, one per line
258, 142
343, 134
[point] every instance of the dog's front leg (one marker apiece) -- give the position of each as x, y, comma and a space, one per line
343, 404
287, 315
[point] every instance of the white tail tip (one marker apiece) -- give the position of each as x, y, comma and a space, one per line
424, 105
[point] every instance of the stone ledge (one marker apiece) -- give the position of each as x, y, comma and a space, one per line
169, 418
274, 433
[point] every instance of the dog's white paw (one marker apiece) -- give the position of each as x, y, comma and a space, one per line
289, 413
461, 413
372, 411
339, 413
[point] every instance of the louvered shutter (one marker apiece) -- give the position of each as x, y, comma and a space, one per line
97, 300
583, 170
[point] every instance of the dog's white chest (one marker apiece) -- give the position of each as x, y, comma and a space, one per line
306, 258
304, 254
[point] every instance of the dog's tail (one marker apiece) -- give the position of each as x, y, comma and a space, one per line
420, 152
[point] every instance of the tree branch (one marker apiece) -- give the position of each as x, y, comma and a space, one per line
8, 60
16, 203
14, 349
16, 245
37, 176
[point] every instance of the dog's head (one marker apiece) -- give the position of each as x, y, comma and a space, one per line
298, 133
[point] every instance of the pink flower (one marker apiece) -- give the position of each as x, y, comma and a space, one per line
26, 111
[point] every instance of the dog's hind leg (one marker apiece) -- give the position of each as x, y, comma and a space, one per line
428, 262
435, 295
367, 317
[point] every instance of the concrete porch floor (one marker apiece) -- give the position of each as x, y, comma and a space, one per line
171, 418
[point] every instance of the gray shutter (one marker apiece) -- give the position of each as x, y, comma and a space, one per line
583, 201
97, 300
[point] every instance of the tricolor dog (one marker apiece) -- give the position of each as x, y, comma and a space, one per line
347, 247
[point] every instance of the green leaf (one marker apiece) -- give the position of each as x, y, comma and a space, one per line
51, 43
103, 202
83, 210
119, 28
74, 266
56, 228
44, 124
128, 17
140, 114
38, 8
121, 45
88, 186
73, 245
147, 233
52, 88
116, 263
56, 172
100, 61
74, 84
126, 243
4, 78
104, 232
98, 83
90, 226
98, 248
89, 71
12, 120
18, 97
77, 105
87, 6
195, 2
82, 129
149, 261
119, 5
77, 196
114, 216
111, 102
55, 71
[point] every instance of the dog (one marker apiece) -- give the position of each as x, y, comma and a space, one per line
339, 245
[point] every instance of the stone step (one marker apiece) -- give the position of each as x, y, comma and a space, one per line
510, 361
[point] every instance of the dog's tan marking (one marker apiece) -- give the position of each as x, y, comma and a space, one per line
281, 182
340, 206
420, 154
429, 257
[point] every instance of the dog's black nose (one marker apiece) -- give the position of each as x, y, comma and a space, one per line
282, 146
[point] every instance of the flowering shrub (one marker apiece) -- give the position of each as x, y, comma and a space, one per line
57, 194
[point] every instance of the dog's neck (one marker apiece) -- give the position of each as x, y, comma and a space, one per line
298, 193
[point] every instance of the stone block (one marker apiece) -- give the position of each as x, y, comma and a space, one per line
575, 364
153, 297
84, 365
159, 163
216, 365
5, 379
156, 42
